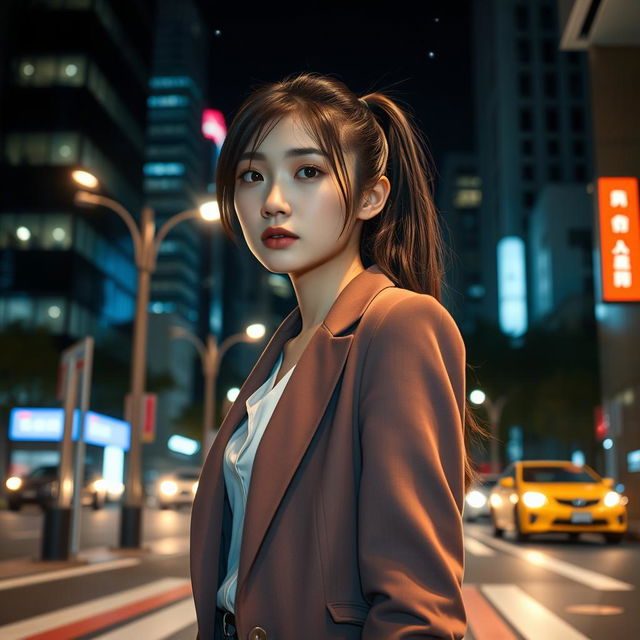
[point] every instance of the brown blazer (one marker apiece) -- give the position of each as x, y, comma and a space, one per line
353, 525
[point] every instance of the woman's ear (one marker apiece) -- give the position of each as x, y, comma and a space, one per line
374, 199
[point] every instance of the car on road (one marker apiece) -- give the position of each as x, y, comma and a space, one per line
544, 496
177, 488
40, 486
476, 502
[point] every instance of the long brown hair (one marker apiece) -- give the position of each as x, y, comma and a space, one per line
404, 239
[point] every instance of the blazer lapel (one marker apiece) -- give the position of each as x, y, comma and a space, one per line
301, 407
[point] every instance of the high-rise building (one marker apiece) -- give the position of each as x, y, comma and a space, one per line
177, 173
532, 124
74, 91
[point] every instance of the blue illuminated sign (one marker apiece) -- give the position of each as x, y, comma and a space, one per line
47, 425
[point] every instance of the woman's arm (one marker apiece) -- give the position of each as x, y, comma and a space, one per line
411, 549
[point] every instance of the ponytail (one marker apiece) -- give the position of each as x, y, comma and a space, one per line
404, 239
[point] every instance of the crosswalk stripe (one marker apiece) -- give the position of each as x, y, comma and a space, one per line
114, 616
587, 577
61, 617
48, 576
484, 622
527, 615
476, 548
156, 626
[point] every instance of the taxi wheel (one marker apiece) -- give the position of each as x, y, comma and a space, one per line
613, 538
497, 531
520, 535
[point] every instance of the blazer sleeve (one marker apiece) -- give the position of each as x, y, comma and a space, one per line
411, 419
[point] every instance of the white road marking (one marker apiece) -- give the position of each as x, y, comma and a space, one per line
527, 615
476, 548
156, 626
592, 579
67, 615
48, 576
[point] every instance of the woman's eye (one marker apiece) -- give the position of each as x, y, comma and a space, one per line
310, 172
251, 173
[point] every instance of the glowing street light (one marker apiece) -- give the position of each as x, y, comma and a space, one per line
211, 356
146, 242
494, 411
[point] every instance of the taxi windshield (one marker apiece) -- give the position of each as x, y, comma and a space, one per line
557, 474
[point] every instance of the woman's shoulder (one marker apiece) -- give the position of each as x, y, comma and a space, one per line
400, 308
398, 317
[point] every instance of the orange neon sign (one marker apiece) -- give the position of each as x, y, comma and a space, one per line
619, 239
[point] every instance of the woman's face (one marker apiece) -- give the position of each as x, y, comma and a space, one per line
289, 185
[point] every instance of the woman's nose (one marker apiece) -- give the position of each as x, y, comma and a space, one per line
275, 202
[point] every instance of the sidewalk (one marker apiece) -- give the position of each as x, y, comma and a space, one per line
87, 561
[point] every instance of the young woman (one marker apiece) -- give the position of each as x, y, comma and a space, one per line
330, 503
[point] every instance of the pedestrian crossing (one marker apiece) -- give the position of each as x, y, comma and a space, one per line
163, 609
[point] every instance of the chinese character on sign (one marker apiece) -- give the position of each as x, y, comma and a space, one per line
621, 265
620, 223
618, 198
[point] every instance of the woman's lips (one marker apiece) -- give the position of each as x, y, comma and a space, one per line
278, 243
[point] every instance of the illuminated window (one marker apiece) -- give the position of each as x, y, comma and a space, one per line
468, 181
164, 169
37, 71
467, 198
65, 148
170, 101
72, 71
171, 82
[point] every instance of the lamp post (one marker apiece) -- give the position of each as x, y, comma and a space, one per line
494, 412
146, 243
211, 355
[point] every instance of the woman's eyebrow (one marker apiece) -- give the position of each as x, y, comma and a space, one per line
298, 151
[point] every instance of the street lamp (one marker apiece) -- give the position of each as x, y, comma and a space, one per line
211, 356
146, 243
494, 411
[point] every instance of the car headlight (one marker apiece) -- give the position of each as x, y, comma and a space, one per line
612, 499
476, 499
168, 488
13, 483
533, 499
194, 488
495, 500
100, 485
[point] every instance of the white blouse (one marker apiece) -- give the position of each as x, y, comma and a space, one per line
238, 464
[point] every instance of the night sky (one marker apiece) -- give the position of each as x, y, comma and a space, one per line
368, 49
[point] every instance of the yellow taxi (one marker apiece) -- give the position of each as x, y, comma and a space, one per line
544, 496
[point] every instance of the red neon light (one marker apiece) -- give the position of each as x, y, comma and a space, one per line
213, 126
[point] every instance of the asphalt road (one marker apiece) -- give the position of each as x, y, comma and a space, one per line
547, 589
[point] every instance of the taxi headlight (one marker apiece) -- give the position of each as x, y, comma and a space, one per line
476, 499
533, 499
13, 483
168, 488
612, 499
100, 485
